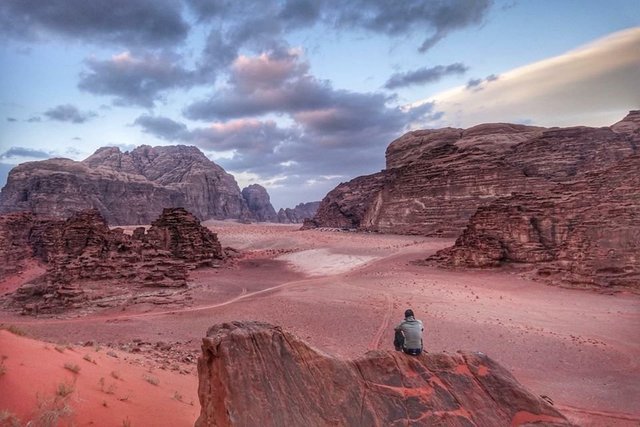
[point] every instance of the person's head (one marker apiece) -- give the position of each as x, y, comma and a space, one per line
408, 313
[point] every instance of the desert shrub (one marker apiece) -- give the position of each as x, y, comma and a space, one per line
115, 375
7, 419
64, 389
13, 329
3, 368
51, 411
151, 379
72, 367
88, 358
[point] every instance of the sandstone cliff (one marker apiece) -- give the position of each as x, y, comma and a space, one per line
259, 204
586, 232
299, 213
127, 188
253, 373
436, 179
86, 261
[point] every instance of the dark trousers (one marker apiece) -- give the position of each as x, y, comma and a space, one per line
412, 351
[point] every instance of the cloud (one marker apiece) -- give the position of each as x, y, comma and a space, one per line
130, 22
22, 152
135, 80
12, 119
163, 128
258, 25
476, 84
424, 75
593, 85
69, 113
34, 119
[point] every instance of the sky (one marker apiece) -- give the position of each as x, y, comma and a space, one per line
300, 95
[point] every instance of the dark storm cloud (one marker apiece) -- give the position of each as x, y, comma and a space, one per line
17, 152
424, 75
69, 113
130, 22
135, 79
246, 22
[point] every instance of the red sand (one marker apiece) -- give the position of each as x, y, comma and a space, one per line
580, 348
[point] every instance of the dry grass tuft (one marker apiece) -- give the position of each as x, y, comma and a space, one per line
72, 367
151, 379
14, 330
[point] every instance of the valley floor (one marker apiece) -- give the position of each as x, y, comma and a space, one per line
344, 292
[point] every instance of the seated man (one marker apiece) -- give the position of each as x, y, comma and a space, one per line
411, 330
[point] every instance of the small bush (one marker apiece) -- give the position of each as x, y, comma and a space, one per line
59, 348
126, 422
151, 379
90, 359
7, 419
115, 375
64, 389
177, 396
14, 330
3, 368
51, 411
71, 367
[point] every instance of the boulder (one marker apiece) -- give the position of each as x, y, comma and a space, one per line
253, 373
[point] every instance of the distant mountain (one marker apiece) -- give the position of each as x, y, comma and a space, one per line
298, 214
127, 188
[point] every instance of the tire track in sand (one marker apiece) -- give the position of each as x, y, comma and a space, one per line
375, 341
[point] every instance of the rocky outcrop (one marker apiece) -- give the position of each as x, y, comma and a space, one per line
298, 214
259, 203
86, 260
436, 179
253, 373
127, 188
586, 232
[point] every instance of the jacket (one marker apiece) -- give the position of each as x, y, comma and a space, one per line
412, 330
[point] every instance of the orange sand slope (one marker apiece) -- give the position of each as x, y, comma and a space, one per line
65, 385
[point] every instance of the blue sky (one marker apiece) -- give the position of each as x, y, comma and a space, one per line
299, 95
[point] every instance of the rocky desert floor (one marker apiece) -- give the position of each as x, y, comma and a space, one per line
343, 293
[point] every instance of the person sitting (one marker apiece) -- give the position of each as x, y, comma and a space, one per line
411, 330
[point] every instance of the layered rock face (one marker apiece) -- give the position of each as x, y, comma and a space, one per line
253, 373
82, 251
586, 232
436, 179
298, 214
259, 204
127, 188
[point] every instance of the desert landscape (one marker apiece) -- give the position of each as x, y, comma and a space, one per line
368, 213
341, 292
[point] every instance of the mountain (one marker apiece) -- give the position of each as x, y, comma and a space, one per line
298, 214
127, 188
435, 180
253, 373
259, 203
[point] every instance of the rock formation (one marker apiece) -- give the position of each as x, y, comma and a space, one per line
127, 188
298, 214
86, 260
586, 232
259, 204
253, 373
436, 179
